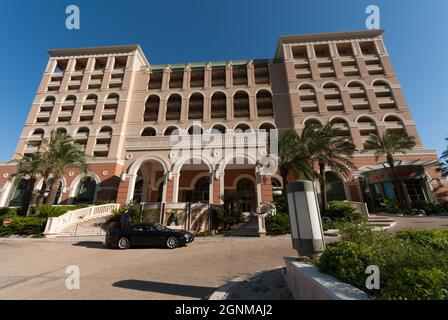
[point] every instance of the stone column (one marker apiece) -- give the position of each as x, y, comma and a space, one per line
107, 73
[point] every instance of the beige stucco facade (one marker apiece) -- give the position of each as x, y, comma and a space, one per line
120, 108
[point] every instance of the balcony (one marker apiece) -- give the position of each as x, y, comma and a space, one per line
333, 102
382, 89
65, 114
111, 101
87, 113
350, 69
207, 141
366, 126
370, 57
31, 149
81, 136
104, 135
109, 112
300, 61
360, 101
341, 126
306, 92
101, 147
116, 81
56, 74
43, 114
36, 137
308, 104
374, 68
53, 84
323, 60
347, 58
95, 82
118, 71
394, 125
303, 72
331, 91
90, 102
386, 100
98, 72
48, 104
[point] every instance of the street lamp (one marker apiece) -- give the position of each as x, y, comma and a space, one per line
142, 205
306, 225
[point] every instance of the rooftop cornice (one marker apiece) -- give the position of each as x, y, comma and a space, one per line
346, 35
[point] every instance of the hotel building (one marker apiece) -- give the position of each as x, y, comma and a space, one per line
128, 114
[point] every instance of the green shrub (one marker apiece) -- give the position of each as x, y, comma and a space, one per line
278, 224
342, 211
7, 210
225, 218
409, 269
46, 210
431, 238
280, 205
390, 206
133, 211
23, 226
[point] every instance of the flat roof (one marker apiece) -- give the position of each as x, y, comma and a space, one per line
345, 35
97, 50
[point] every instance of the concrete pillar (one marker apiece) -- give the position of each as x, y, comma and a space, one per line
229, 75
107, 73
87, 74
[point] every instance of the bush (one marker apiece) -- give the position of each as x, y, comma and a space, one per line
342, 211
23, 226
46, 210
6, 210
430, 238
391, 206
409, 269
278, 224
132, 210
225, 218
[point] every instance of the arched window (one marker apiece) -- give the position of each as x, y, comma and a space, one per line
149, 132
86, 191
171, 131
18, 196
195, 130
201, 190
174, 106
81, 137
334, 187
241, 104
196, 106
219, 105
264, 103
242, 127
35, 139
45, 109
218, 128
152, 108
312, 122
367, 126
333, 99
308, 99
394, 123
88, 108
103, 140
358, 96
341, 127
67, 107
384, 96
267, 127
110, 107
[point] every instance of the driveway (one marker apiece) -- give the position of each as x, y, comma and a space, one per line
35, 268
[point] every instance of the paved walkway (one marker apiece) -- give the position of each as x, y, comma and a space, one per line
264, 285
35, 268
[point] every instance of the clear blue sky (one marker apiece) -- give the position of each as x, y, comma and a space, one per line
204, 30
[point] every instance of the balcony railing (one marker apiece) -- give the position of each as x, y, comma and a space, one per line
254, 139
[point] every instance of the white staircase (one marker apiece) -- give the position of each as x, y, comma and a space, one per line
84, 229
85, 221
249, 228
380, 221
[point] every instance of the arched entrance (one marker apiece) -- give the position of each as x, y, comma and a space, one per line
334, 187
147, 180
86, 191
246, 193
18, 195
192, 180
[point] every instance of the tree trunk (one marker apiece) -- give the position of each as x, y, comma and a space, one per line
284, 173
323, 191
25, 210
397, 187
41, 194
53, 191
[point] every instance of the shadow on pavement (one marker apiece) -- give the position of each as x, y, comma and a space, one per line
166, 288
91, 244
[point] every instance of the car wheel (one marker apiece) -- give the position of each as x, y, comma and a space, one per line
123, 243
172, 243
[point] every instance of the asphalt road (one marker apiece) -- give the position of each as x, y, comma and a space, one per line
35, 268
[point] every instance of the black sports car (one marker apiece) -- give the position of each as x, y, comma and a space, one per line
147, 234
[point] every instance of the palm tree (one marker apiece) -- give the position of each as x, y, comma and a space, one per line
443, 166
62, 153
294, 155
331, 151
390, 143
29, 168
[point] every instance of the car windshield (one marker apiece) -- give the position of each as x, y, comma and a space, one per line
158, 226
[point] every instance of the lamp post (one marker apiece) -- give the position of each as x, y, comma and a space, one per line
306, 224
142, 205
